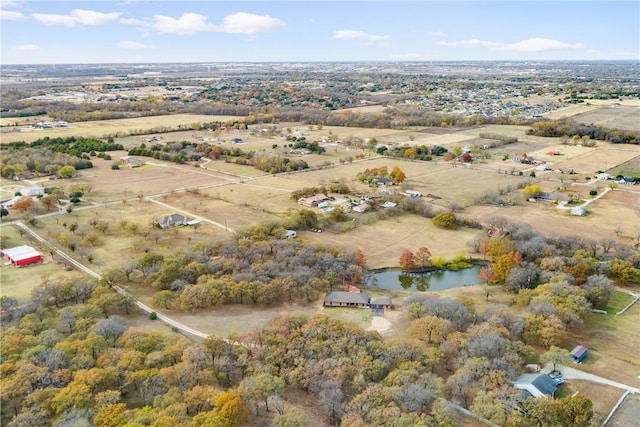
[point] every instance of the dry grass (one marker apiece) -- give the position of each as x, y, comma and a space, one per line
604, 397
103, 128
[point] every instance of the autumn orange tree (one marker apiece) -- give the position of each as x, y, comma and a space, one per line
407, 260
422, 257
397, 175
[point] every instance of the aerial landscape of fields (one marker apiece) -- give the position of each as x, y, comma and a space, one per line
341, 239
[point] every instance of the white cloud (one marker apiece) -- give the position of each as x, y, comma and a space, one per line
27, 47
539, 45
436, 33
187, 24
131, 45
11, 15
358, 35
192, 23
528, 45
77, 17
248, 23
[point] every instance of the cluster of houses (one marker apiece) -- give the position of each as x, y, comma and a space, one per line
49, 125
620, 179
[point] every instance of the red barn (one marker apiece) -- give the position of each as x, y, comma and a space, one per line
21, 255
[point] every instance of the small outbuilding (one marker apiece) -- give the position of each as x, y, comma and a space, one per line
290, 234
578, 353
22, 255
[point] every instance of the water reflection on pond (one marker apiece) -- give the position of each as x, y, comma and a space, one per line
421, 282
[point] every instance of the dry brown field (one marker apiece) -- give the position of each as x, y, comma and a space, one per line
627, 118
104, 128
615, 215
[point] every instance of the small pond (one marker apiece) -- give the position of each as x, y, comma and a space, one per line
421, 282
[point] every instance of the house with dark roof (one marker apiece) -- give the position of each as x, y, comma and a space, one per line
578, 353
382, 304
346, 299
175, 220
536, 385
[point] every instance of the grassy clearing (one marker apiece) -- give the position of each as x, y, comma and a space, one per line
612, 342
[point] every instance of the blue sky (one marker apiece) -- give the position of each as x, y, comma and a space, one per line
124, 31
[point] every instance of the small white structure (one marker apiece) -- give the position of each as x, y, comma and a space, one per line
413, 193
32, 191
578, 211
290, 234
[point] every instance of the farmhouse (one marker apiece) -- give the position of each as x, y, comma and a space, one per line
578, 353
362, 208
175, 220
21, 255
346, 299
313, 201
536, 385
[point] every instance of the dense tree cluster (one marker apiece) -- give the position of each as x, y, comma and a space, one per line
69, 355
245, 271
569, 128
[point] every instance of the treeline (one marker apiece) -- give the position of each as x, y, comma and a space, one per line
421, 152
75, 146
180, 152
569, 128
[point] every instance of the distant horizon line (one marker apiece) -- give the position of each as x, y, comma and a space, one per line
397, 61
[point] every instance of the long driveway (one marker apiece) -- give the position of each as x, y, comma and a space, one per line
142, 306
576, 374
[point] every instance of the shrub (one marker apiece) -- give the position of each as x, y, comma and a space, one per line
153, 315
446, 220
593, 192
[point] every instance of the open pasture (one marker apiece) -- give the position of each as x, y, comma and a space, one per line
626, 118
104, 128
383, 242
153, 178
589, 160
612, 216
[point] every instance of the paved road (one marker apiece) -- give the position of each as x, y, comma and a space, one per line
576, 374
